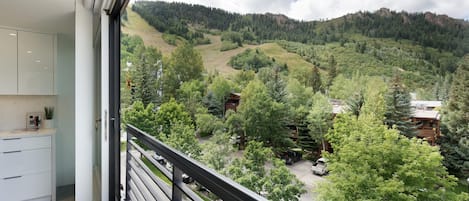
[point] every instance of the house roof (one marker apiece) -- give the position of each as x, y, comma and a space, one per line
427, 114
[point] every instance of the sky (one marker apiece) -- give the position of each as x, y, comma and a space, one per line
328, 9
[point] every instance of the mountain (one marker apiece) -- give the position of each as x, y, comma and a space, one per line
423, 46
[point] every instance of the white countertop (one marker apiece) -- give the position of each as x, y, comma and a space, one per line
27, 133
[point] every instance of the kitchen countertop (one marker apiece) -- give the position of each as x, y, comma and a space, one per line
27, 133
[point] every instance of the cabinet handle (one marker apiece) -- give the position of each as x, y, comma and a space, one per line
15, 177
18, 138
10, 152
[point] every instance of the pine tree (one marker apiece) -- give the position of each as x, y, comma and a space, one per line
332, 70
145, 76
455, 143
398, 109
316, 82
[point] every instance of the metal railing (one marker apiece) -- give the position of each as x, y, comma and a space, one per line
143, 184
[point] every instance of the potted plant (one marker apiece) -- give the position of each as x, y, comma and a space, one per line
49, 115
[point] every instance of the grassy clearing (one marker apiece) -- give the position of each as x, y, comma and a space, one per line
214, 59
282, 56
136, 25
155, 171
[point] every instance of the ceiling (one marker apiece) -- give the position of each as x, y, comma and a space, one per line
54, 16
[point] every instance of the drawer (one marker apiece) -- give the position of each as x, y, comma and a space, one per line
16, 163
26, 187
24, 143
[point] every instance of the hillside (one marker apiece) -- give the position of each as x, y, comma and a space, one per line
360, 42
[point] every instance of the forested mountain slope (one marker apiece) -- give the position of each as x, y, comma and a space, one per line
425, 47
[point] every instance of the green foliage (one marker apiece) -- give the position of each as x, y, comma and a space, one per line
234, 122
220, 89
455, 143
170, 38
298, 100
278, 183
264, 119
49, 112
169, 114
191, 95
207, 124
184, 65
398, 109
243, 77
371, 162
332, 70
316, 82
182, 137
228, 45
274, 82
217, 151
250, 60
141, 116
319, 118
233, 37
146, 75
165, 22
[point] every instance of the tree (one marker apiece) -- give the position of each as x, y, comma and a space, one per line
264, 119
250, 171
243, 77
319, 118
455, 143
182, 137
372, 162
217, 151
207, 124
220, 89
170, 113
142, 117
299, 99
398, 109
146, 74
234, 122
316, 82
191, 95
184, 65
332, 70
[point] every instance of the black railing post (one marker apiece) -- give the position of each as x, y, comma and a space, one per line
177, 181
127, 167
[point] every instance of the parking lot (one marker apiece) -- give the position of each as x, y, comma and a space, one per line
302, 170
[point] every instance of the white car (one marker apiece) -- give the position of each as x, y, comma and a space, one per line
320, 167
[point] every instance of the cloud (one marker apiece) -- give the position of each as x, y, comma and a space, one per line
327, 9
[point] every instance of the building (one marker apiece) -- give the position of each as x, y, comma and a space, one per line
232, 102
66, 54
426, 119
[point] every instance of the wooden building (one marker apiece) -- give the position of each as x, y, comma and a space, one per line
232, 102
426, 119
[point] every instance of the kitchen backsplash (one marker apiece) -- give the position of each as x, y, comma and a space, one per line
13, 109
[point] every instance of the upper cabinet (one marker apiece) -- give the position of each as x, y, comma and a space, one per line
35, 63
8, 62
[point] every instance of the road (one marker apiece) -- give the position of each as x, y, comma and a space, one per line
302, 170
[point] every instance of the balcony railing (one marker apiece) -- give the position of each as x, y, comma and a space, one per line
143, 184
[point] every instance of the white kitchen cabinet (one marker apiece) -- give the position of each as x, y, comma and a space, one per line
8, 62
35, 63
27, 167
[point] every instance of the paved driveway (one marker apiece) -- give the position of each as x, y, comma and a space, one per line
302, 170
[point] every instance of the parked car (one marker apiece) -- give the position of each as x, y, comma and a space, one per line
320, 167
292, 156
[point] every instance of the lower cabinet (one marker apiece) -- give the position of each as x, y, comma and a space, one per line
26, 171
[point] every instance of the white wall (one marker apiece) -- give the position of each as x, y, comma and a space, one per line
13, 109
65, 121
84, 102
